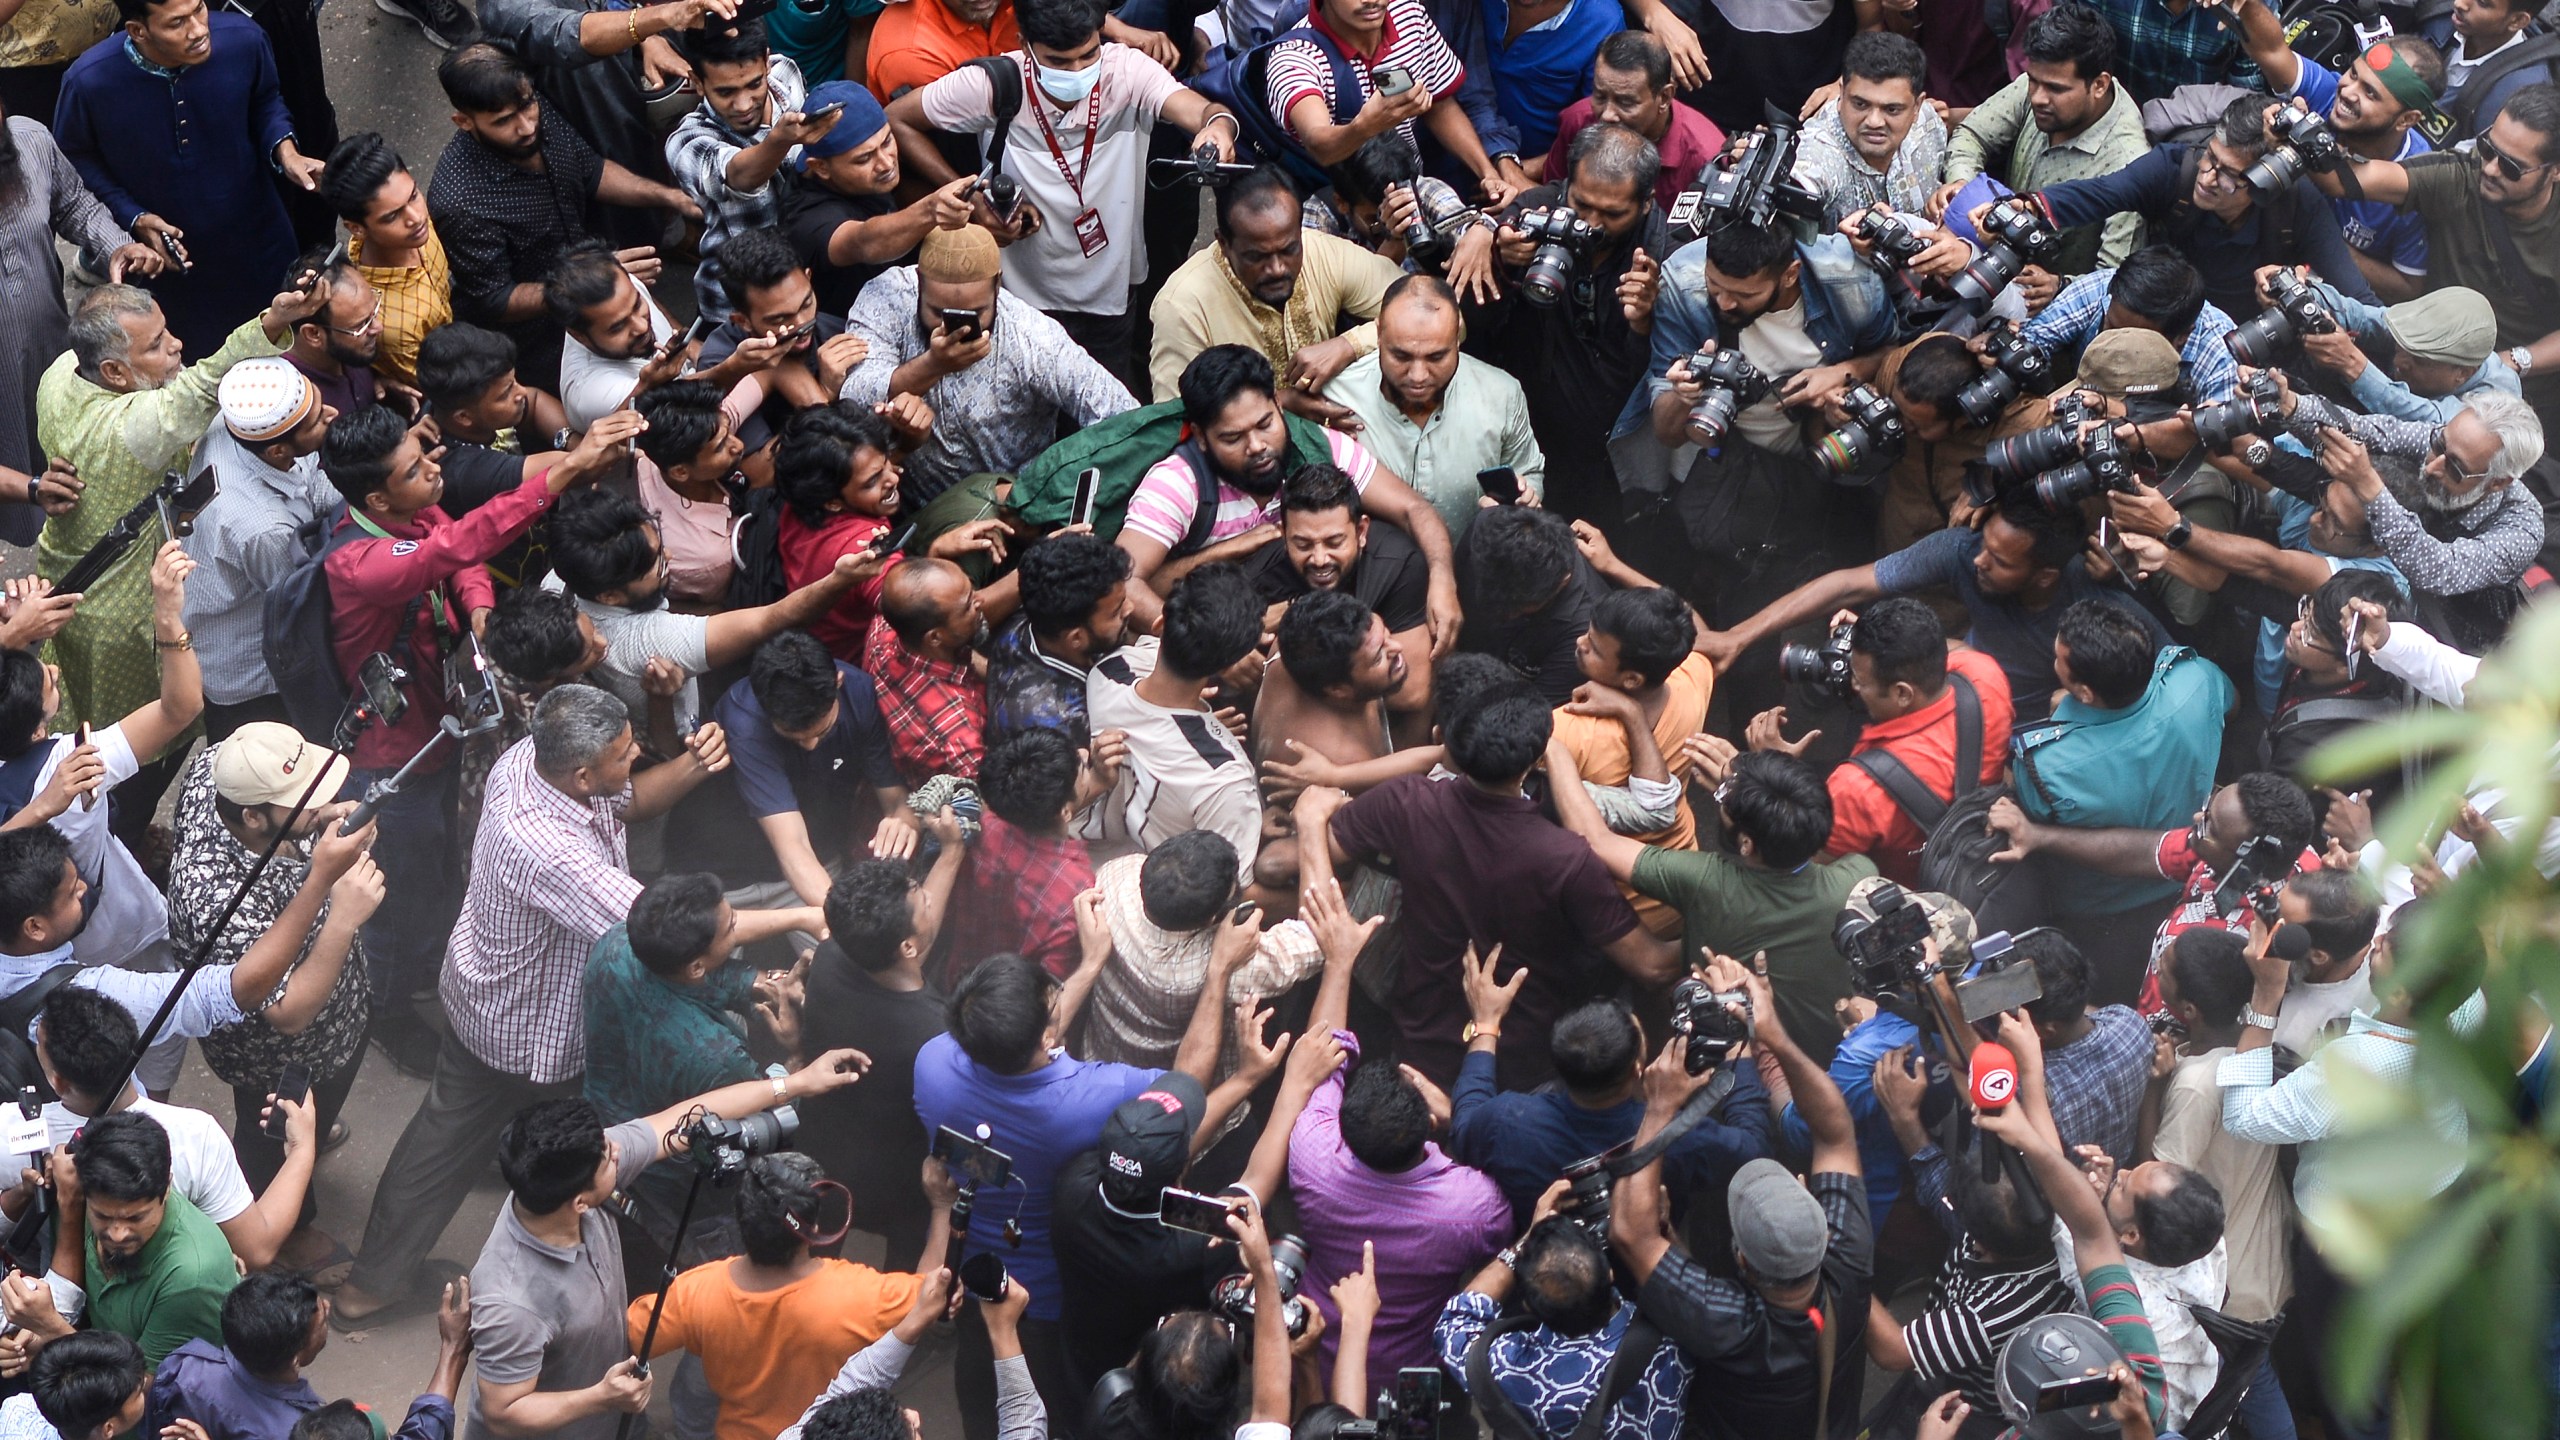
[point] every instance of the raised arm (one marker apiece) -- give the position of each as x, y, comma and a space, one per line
1238, 937
2109, 851
156, 726
734, 634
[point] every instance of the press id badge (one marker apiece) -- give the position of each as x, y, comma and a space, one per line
1089, 232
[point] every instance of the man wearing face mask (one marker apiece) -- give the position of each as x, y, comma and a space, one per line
1077, 144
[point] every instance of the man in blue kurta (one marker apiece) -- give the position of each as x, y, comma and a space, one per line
177, 124
1540, 53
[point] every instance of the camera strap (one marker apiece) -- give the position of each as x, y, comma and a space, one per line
1636, 1349
1912, 793
1691, 1116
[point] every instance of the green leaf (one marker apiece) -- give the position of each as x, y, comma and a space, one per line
2427, 1268
2382, 745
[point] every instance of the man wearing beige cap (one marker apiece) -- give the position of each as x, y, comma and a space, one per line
2446, 351
998, 382
265, 447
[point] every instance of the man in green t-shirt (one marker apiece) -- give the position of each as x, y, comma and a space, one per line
154, 1268
1764, 894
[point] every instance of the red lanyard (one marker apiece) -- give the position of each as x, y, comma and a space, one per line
1092, 126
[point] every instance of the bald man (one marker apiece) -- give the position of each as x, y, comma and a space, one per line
1436, 416
922, 655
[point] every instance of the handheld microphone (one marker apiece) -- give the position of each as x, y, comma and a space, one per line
2290, 943
1992, 1084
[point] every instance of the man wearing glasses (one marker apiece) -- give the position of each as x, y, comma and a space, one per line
2491, 225
337, 346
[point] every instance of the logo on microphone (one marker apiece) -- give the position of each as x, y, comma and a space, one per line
1995, 1088
1995, 1075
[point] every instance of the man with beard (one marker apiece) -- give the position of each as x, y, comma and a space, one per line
1075, 610
920, 654
2378, 109
158, 1269
620, 344
1236, 428
266, 446
1328, 544
337, 344
1340, 669
2066, 118
608, 552
1438, 417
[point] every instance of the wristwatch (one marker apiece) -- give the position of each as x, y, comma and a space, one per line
2251, 1017
1509, 1259
2521, 358
2177, 536
1474, 1033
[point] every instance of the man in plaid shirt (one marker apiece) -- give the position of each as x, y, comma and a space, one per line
922, 654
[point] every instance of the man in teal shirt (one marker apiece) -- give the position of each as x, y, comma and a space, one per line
2131, 744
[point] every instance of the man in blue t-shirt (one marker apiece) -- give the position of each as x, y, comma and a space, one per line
805, 741
1001, 1077
2380, 109
2015, 575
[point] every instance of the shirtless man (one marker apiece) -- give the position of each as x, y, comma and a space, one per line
1328, 543
1339, 669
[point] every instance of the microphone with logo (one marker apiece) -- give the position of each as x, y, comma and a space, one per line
1993, 1084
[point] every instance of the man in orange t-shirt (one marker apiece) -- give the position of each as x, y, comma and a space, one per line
917, 42
1643, 692
774, 1325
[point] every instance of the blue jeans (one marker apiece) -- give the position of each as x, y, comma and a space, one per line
422, 876
2264, 1412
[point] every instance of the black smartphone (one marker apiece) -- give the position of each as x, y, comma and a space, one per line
893, 539
1243, 912
1501, 484
2075, 1394
983, 1275
1087, 483
978, 1163
959, 324
293, 1084
824, 112
796, 333
1200, 1214
1418, 1402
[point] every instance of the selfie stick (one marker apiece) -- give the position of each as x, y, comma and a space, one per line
449, 728
666, 1273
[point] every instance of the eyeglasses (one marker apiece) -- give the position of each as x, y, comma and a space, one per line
2437, 451
2308, 613
366, 326
2508, 165
2216, 174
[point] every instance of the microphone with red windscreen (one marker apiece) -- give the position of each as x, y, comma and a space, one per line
1993, 1083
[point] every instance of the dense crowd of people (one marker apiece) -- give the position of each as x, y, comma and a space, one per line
1381, 717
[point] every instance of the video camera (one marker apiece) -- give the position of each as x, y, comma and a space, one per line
1232, 1296
721, 1147
2295, 310
2015, 235
1825, 667
1870, 438
1888, 959
1751, 183
2240, 424
1716, 1022
2252, 879
1410, 1411
2299, 143
1563, 241
2017, 365
1732, 383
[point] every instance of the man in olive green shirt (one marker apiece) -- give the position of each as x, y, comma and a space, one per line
1435, 416
152, 1266
2066, 118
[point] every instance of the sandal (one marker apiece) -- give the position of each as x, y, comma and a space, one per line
422, 1299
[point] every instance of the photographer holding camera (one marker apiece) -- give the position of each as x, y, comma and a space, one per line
1776, 1350
2154, 289
2441, 346
2206, 199
1952, 408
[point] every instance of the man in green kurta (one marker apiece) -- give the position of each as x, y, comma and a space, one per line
125, 408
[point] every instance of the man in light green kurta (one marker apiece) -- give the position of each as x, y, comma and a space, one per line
125, 408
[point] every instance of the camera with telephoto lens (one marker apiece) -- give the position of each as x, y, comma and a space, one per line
2101, 467
2260, 867
1587, 1203
1825, 666
1564, 240
2240, 424
1892, 239
2017, 364
2299, 143
1869, 438
2295, 310
2015, 235
1716, 1022
1233, 1295
1731, 383
721, 1147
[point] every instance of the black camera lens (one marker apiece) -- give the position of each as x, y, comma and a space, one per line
2261, 339
2064, 489
1550, 271
2034, 452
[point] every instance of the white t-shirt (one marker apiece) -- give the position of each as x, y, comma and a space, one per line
1777, 344
1049, 268
631, 637
1186, 770
202, 1164
129, 925
591, 386
2315, 1014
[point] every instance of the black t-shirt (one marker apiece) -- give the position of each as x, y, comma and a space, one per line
811, 214
1390, 577
1757, 1365
474, 475
1584, 356
770, 416
867, 1135
1120, 1275
1539, 644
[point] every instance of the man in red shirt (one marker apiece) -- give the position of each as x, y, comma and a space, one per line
404, 579
1631, 86
1914, 690
919, 654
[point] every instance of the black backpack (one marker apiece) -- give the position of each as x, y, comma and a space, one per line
300, 642
2463, 107
19, 1068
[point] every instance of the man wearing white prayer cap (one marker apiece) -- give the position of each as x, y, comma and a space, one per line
264, 449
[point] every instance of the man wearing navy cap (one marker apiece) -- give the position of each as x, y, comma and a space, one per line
841, 216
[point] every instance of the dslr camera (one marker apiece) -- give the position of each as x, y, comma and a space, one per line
1825, 667
2261, 866
1410, 1411
1732, 383
1891, 239
721, 1148
2068, 465
1888, 959
2017, 365
1563, 240
1232, 1296
2296, 310
1592, 1185
2016, 235
1716, 1022
2238, 425
2299, 143
1870, 438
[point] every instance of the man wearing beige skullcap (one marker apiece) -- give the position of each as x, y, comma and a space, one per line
997, 377
2445, 349
264, 449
